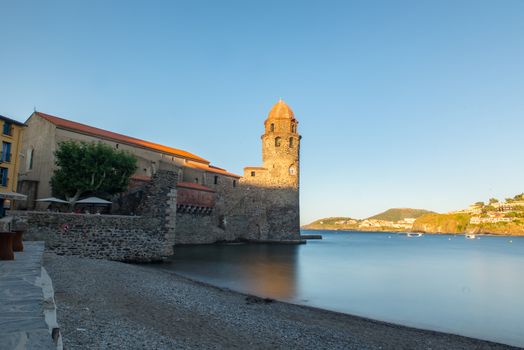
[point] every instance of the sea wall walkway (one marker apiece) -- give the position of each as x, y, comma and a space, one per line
27, 307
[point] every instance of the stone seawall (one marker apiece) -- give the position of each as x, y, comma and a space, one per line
113, 237
145, 238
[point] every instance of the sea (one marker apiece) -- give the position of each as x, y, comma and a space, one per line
448, 283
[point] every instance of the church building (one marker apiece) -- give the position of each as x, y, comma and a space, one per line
212, 204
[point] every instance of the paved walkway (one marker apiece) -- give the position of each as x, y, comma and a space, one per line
27, 309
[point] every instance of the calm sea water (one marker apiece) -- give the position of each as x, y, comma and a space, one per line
439, 282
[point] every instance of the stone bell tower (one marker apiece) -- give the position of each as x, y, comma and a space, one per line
273, 203
281, 146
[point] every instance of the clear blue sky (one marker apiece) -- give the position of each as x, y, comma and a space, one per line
401, 103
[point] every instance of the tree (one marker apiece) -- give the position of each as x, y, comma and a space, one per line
479, 204
493, 200
519, 197
90, 168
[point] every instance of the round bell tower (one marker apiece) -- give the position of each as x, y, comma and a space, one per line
281, 146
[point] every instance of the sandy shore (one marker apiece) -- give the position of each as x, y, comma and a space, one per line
110, 305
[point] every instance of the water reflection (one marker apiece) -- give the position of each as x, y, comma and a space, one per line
267, 270
438, 282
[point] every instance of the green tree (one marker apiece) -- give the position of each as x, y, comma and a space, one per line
493, 200
519, 197
90, 168
479, 204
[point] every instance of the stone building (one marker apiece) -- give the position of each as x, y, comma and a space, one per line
212, 204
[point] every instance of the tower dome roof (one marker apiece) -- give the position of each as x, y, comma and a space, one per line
281, 111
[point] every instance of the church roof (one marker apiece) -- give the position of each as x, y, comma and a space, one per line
210, 168
109, 135
281, 111
194, 186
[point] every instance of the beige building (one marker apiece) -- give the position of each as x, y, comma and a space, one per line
11, 138
45, 131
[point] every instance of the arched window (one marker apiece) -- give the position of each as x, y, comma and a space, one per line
290, 142
293, 127
292, 170
272, 127
277, 142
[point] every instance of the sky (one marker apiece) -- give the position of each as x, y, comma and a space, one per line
401, 103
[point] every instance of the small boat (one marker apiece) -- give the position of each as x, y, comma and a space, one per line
470, 236
413, 234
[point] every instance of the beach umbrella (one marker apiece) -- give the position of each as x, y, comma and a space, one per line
93, 200
52, 200
13, 196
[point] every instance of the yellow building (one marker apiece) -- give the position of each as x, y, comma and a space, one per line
11, 138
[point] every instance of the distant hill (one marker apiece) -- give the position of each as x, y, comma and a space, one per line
390, 220
331, 220
397, 214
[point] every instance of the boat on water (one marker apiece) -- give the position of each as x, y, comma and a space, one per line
470, 236
413, 234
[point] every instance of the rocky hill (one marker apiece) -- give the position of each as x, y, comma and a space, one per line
494, 217
397, 214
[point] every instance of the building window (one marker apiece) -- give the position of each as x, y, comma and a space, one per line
216, 179
196, 180
252, 173
234, 183
7, 128
293, 127
272, 128
3, 177
30, 155
277, 142
6, 152
116, 145
292, 170
290, 142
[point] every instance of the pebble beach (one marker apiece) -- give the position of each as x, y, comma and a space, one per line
111, 305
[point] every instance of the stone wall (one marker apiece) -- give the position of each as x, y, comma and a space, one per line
145, 238
113, 237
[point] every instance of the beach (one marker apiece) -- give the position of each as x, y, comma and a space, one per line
111, 305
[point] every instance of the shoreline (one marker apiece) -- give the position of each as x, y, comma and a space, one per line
405, 232
378, 322
154, 312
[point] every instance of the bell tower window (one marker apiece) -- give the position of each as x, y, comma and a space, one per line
277, 142
293, 127
272, 127
290, 142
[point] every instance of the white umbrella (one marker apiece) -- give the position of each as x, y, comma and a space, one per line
13, 195
93, 200
52, 200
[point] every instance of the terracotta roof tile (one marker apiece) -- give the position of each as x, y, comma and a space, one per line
211, 169
195, 186
90, 130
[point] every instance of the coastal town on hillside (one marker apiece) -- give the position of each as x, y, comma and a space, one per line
493, 217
